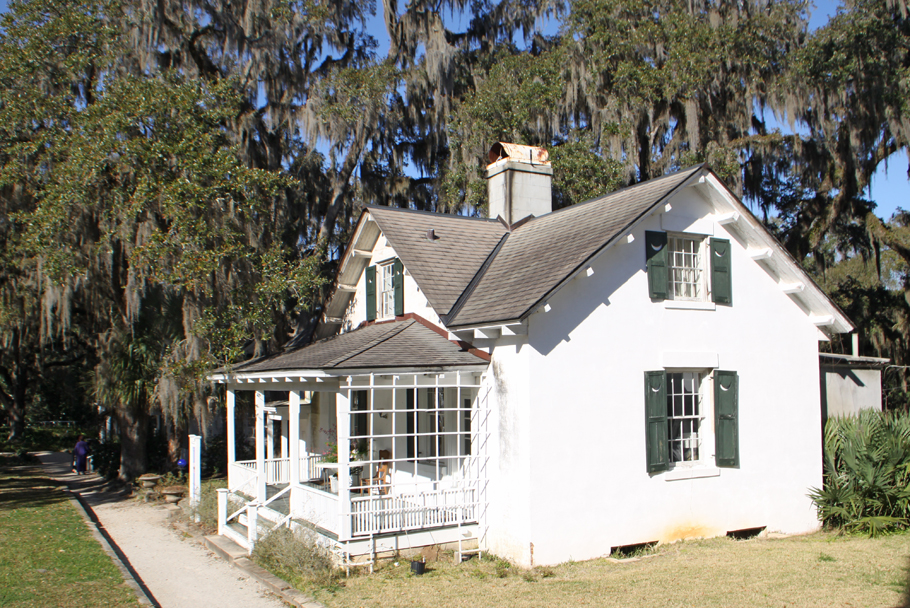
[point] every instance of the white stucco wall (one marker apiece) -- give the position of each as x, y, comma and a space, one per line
509, 449
415, 301
569, 452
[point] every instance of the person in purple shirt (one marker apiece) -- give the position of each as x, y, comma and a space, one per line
80, 456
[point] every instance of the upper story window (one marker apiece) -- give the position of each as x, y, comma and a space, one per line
386, 298
385, 290
687, 267
686, 264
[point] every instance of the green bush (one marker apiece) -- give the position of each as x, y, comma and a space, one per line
296, 557
867, 472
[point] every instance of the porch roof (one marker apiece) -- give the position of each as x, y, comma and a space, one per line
407, 343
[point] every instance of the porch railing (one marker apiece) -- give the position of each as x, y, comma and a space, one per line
393, 513
277, 470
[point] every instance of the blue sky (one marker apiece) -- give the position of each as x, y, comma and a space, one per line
890, 186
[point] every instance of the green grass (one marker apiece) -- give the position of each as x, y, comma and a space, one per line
48, 556
822, 570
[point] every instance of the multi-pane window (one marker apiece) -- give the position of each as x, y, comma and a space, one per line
686, 275
386, 291
684, 415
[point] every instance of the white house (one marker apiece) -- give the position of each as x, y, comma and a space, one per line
546, 385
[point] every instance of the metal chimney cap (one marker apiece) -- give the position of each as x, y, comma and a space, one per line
531, 155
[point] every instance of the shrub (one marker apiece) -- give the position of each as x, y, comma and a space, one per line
207, 509
297, 557
106, 458
867, 471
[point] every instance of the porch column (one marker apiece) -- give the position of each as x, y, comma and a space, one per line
343, 416
293, 423
231, 434
284, 438
260, 446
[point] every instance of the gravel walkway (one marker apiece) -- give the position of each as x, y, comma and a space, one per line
177, 571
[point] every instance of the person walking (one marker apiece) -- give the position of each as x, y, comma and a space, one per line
80, 456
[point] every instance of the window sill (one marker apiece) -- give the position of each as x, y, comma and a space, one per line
693, 473
687, 305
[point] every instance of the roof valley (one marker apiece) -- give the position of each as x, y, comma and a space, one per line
456, 307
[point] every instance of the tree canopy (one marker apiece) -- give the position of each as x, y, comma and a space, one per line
177, 178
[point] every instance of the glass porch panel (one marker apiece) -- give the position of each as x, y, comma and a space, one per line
424, 437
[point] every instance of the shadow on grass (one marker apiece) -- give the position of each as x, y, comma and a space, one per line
26, 491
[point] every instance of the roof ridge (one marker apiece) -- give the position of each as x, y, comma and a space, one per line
475, 280
372, 343
433, 213
597, 199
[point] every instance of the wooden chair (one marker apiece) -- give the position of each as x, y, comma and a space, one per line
383, 477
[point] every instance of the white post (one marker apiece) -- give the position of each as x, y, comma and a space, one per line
252, 524
293, 423
343, 416
222, 509
284, 438
195, 469
260, 446
231, 433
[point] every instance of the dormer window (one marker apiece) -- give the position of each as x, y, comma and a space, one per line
385, 290
386, 298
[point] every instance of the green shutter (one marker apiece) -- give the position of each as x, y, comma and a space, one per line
656, 421
726, 419
721, 286
371, 293
398, 286
657, 259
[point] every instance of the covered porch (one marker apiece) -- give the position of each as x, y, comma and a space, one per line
356, 454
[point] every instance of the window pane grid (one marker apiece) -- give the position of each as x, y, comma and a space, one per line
684, 415
685, 268
386, 292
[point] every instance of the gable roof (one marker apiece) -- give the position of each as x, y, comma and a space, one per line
481, 272
399, 344
557, 243
445, 266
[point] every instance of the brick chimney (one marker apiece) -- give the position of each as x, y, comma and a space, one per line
519, 182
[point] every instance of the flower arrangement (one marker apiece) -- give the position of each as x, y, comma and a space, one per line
330, 454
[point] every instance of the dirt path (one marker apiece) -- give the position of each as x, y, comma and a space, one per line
177, 571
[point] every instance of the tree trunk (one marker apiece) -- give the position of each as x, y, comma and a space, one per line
133, 438
18, 381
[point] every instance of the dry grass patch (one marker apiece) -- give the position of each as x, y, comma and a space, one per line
821, 570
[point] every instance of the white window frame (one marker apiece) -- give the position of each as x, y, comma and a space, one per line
705, 401
385, 290
677, 252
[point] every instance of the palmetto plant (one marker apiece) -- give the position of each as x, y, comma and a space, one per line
867, 472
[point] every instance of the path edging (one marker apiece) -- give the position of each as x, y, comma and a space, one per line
84, 509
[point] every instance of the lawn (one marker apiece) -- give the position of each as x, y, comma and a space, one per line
823, 570
48, 556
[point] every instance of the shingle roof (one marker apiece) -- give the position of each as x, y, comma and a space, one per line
406, 343
538, 255
443, 267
